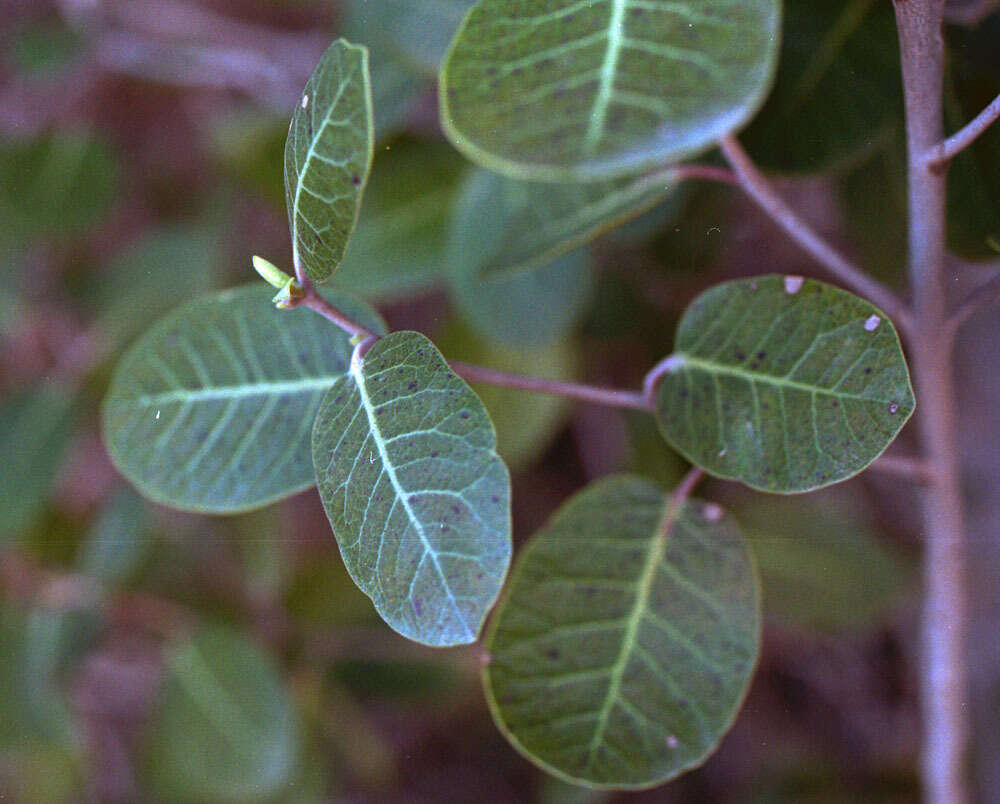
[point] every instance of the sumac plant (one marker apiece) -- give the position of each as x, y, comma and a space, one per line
629, 628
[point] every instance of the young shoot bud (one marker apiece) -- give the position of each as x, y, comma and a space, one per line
270, 273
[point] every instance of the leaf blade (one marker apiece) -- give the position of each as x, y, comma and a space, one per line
375, 461
629, 85
328, 156
604, 599
784, 384
205, 412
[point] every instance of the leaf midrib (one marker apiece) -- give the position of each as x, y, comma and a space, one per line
689, 362
401, 493
657, 549
247, 390
599, 111
310, 153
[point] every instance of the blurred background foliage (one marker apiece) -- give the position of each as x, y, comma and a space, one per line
150, 655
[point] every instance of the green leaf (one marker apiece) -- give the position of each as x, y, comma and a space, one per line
34, 645
563, 90
784, 383
626, 640
400, 245
838, 85
417, 497
328, 155
211, 409
873, 199
525, 423
225, 729
974, 175
57, 184
41, 50
505, 226
158, 271
417, 34
396, 89
530, 308
35, 429
822, 562
119, 541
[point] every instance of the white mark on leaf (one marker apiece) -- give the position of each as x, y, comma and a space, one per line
157, 414
793, 284
893, 407
305, 101
712, 512
672, 742
872, 323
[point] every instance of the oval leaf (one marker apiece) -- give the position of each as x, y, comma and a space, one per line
784, 383
400, 246
226, 729
211, 409
532, 307
416, 33
509, 226
626, 641
35, 431
328, 156
837, 89
563, 90
417, 497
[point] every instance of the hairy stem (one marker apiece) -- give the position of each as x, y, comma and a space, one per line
760, 190
944, 682
947, 150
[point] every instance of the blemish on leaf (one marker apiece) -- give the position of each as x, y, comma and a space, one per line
893, 408
305, 101
872, 323
793, 284
672, 742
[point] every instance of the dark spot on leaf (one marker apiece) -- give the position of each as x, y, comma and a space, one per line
464, 414
740, 356
434, 454
553, 653
761, 355
355, 180
456, 510
412, 385
495, 499
868, 370
418, 607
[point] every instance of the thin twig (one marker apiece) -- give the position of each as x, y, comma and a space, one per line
983, 296
701, 172
915, 469
315, 302
758, 188
585, 393
686, 487
948, 149
654, 375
